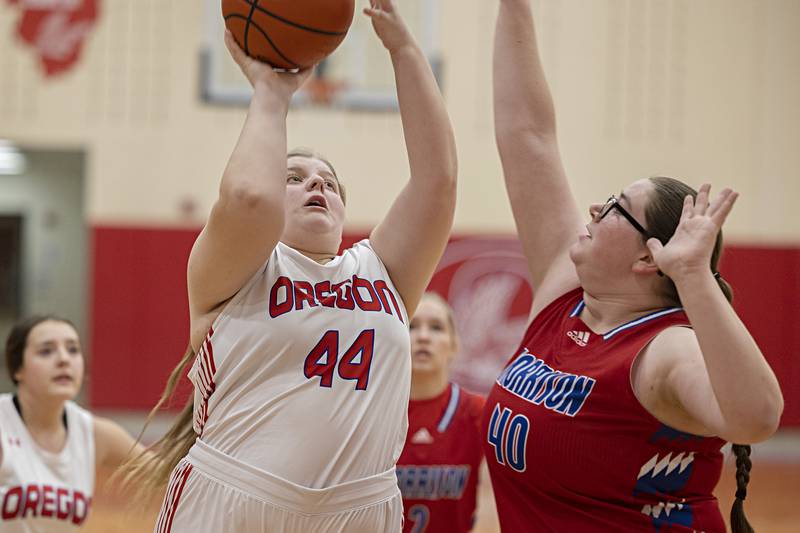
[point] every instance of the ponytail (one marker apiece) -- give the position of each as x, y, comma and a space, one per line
725, 287
149, 472
739, 523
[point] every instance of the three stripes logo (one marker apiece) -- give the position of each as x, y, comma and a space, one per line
581, 338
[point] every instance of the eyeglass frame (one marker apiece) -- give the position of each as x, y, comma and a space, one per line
613, 203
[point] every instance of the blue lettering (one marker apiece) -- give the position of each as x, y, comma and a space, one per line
536, 382
577, 396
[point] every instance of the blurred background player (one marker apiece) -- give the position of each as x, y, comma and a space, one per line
635, 369
50, 447
438, 469
302, 372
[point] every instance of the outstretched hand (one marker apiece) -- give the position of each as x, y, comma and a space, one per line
282, 84
689, 250
388, 24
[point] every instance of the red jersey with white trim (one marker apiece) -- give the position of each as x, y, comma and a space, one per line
40, 490
438, 469
570, 448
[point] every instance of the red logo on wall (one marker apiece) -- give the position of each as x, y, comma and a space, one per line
56, 29
485, 279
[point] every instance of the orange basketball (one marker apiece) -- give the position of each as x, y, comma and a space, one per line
288, 33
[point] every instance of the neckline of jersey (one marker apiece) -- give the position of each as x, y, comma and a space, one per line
578, 309
330, 264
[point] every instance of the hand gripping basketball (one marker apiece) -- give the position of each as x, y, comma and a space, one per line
288, 34
256, 72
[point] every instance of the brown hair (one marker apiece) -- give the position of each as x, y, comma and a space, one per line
739, 523
149, 472
311, 154
663, 213
17, 340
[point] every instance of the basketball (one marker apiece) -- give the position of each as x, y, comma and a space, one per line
288, 33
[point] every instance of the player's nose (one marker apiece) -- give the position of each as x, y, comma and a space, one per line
314, 182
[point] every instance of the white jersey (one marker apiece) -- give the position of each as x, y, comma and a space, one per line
306, 372
42, 491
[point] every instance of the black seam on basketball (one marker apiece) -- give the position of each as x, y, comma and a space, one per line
253, 7
289, 22
271, 43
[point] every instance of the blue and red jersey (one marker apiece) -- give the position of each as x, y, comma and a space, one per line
438, 469
570, 448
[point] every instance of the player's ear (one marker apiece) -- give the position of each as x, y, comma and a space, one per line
645, 265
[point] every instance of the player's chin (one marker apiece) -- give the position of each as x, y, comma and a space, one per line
423, 365
64, 391
578, 249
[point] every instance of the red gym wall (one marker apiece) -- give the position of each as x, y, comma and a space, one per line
139, 319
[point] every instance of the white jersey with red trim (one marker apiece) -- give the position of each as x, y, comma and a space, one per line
306, 372
42, 491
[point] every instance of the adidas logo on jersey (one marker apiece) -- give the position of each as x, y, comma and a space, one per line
581, 338
423, 436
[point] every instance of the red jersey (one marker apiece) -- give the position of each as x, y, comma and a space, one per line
438, 469
570, 448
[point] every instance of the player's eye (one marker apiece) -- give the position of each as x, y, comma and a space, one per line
294, 178
330, 184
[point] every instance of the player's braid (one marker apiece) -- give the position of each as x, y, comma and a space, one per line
739, 523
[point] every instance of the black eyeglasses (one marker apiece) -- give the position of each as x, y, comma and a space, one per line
613, 203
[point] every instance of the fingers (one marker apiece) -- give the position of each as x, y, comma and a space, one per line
722, 206
233, 47
378, 8
373, 12
654, 245
382, 5
688, 207
701, 202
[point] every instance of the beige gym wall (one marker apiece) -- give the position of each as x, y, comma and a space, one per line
705, 90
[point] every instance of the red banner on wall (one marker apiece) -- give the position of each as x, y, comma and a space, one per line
56, 29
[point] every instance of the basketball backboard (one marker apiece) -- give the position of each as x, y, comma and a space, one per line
358, 75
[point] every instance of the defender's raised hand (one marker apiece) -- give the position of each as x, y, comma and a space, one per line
690, 248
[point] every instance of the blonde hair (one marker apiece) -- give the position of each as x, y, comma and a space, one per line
434, 296
149, 472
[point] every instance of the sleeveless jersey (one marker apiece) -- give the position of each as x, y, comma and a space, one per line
438, 469
42, 491
570, 448
306, 372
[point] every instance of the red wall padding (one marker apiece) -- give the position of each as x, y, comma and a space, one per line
139, 323
139, 316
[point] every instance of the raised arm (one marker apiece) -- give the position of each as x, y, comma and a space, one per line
247, 218
547, 217
716, 375
411, 238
